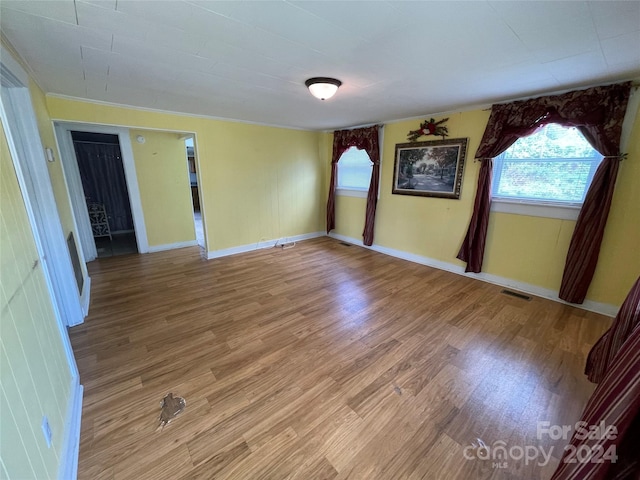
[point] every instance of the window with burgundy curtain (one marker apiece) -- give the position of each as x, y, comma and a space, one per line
598, 114
366, 139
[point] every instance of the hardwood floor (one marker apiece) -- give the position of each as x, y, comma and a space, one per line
319, 362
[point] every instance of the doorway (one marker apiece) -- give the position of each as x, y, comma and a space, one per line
105, 190
195, 191
64, 137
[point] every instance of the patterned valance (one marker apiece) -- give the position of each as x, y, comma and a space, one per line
598, 113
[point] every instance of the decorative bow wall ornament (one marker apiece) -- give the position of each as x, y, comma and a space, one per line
429, 127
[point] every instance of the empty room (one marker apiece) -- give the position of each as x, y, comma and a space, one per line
319, 239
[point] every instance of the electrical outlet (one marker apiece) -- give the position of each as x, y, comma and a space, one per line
46, 431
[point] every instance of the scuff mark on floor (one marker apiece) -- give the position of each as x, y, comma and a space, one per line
171, 407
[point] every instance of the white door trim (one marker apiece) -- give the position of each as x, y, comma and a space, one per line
27, 155
76, 194
24, 142
63, 134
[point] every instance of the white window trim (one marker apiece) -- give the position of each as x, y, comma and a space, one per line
353, 192
560, 211
534, 207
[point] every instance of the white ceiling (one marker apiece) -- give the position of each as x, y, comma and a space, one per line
248, 60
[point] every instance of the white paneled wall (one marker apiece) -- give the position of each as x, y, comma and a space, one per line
34, 374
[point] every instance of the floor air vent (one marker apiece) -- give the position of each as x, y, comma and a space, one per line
516, 294
345, 244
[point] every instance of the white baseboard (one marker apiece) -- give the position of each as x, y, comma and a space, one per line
263, 244
85, 298
602, 308
172, 246
71, 447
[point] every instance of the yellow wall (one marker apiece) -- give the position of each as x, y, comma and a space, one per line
523, 248
34, 375
45, 128
165, 191
256, 183
619, 262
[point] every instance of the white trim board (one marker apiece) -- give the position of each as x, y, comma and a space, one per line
352, 192
14, 66
172, 246
85, 298
68, 468
262, 245
131, 178
563, 212
24, 142
75, 192
597, 307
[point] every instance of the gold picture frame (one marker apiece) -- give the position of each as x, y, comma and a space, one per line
430, 169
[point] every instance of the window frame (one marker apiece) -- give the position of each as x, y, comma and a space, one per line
359, 192
535, 207
363, 192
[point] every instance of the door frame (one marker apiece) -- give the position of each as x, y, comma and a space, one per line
74, 184
30, 164
25, 145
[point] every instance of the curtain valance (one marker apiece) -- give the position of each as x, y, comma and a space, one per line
598, 113
363, 138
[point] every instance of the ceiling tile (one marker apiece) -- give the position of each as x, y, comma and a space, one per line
167, 57
248, 60
137, 95
568, 25
62, 10
161, 12
613, 19
66, 82
48, 30
139, 27
368, 21
95, 61
125, 70
580, 68
622, 49
106, 4
288, 21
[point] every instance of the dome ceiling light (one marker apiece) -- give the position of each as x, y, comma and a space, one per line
323, 87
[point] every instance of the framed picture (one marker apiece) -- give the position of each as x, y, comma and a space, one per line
430, 169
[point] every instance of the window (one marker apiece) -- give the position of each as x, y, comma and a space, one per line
354, 173
547, 173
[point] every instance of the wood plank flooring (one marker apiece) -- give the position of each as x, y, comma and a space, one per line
323, 361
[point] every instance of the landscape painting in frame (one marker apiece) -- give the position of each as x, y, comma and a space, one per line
430, 169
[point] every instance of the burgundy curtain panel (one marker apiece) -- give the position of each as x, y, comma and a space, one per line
603, 353
598, 113
614, 362
584, 249
472, 250
372, 202
366, 139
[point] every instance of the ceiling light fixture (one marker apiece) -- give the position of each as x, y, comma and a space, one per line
323, 87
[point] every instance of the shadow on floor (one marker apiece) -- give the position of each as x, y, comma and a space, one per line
120, 244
